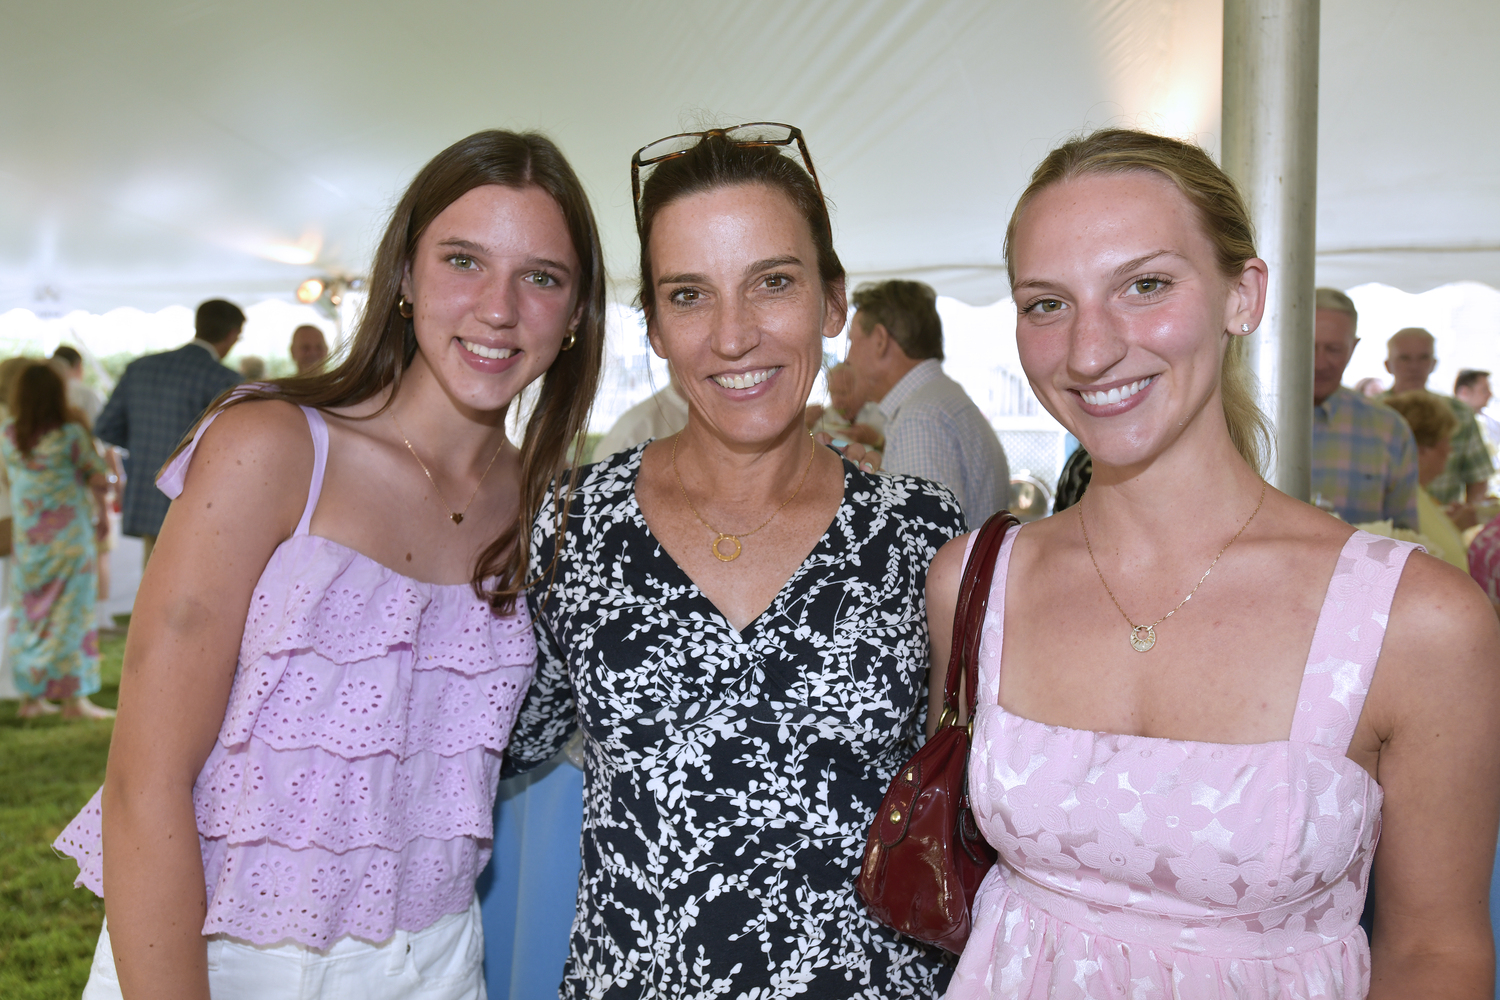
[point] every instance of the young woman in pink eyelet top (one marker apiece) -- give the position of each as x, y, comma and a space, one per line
327, 652
1194, 813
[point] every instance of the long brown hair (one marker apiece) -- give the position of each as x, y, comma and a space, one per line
385, 342
1225, 221
39, 405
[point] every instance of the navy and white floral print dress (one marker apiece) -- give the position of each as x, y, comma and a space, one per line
731, 776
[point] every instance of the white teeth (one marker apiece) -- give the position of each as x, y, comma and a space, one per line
496, 353
1117, 395
746, 380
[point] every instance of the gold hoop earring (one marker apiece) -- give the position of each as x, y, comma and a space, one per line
405, 308
570, 340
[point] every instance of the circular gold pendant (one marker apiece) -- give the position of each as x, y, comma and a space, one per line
720, 555
1142, 638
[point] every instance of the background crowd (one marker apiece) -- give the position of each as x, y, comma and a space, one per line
69, 492
725, 620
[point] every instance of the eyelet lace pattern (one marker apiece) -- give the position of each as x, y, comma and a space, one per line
351, 787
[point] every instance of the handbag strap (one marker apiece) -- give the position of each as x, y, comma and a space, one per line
968, 616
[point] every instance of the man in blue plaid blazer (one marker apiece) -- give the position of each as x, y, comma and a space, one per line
157, 400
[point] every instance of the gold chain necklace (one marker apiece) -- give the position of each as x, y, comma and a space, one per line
1143, 637
722, 536
456, 515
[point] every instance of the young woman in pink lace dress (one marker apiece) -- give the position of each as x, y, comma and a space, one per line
327, 652
1187, 795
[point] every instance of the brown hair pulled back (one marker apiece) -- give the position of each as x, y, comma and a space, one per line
40, 405
717, 162
1225, 221
385, 342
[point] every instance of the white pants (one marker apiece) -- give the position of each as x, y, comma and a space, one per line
443, 962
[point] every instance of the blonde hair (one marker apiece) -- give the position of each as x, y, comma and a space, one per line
1431, 420
1226, 223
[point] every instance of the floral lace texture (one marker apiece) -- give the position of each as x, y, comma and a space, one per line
1144, 867
350, 791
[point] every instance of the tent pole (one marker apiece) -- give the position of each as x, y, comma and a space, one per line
1270, 148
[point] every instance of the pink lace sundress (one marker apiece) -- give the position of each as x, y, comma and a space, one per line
351, 788
1140, 867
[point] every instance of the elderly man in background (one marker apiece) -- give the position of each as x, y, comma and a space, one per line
848, 415
932, 427
1410, 359
158, 400
309, 350
1364, 458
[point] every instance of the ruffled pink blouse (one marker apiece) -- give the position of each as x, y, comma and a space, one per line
351, 788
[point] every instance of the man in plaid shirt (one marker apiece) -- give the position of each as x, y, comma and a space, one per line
157, 401
1364, 458
1465, 479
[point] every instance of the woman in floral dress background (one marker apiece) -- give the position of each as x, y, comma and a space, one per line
50, 459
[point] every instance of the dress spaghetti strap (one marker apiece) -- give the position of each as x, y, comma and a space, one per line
319, 428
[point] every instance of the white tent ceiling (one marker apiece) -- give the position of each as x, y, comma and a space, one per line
163, 151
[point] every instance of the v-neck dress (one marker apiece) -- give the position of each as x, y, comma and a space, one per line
1132, 866
731, 777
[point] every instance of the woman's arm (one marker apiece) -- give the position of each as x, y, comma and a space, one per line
549, 715
943, 579
244, 494
1435, 707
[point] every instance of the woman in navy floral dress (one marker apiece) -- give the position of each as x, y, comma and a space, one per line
734, 618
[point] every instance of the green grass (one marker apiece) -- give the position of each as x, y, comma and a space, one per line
48, 770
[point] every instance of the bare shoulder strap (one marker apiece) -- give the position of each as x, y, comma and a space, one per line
319, 428
1348, 639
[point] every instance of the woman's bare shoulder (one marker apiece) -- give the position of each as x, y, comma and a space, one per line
1440, 608
1440, 650
259, 423
948, 563
257, 446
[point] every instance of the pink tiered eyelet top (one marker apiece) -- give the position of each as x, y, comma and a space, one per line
351, 788
1139, 867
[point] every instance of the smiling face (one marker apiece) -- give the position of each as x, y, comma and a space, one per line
1123, 313
740, 310
493, 283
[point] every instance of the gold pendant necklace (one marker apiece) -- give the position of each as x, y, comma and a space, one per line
722, 536
456, 515
1143, 637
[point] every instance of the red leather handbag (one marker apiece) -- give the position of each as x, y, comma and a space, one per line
925, 856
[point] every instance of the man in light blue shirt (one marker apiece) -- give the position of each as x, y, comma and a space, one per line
932, 427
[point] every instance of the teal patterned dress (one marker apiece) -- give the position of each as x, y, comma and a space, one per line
53, 644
